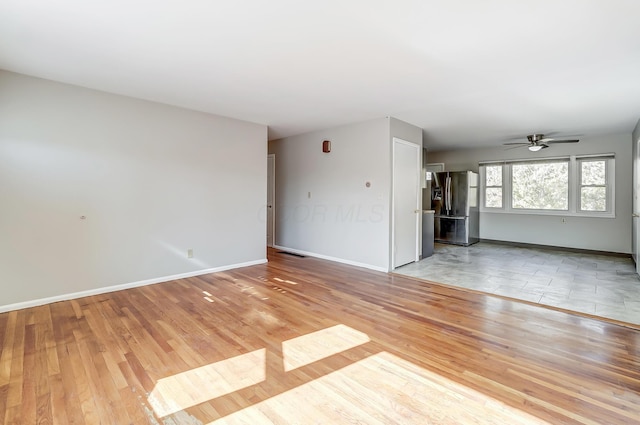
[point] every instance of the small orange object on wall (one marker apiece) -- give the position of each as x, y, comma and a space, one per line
326, 146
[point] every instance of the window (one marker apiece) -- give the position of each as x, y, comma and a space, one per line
493, 186
540, 186
593, 185
573, 185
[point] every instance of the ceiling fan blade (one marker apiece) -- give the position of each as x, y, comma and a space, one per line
517, 143
561, 141
543, 145
546, 139
510, 139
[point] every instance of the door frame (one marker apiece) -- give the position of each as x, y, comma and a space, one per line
418, 148
635, 216
271, 189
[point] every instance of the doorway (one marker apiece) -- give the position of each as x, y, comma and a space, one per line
271, 198
405, 203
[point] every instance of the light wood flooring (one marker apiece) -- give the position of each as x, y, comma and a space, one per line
301, 340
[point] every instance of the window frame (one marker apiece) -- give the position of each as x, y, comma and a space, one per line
540, 210
574, 186
607, 184
484, 187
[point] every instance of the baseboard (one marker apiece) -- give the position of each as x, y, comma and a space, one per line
107, 289
560, 248
329, 258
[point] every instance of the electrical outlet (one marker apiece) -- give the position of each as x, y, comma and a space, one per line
189, 253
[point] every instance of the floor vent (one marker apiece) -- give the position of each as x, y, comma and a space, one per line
293, 254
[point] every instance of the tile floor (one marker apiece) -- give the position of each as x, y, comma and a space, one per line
601, 285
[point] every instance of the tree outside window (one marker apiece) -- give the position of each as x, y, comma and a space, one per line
593, 185
540, 186
493, 186
574, 185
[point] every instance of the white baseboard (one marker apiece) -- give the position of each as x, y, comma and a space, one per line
326, 257
107, 289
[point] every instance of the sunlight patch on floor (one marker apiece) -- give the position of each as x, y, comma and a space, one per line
291, 282
309, 348
186, 389
381, 389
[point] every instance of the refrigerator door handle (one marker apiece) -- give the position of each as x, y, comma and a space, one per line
446, 195
449, 193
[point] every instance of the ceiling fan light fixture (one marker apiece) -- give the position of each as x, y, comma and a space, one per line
538, 141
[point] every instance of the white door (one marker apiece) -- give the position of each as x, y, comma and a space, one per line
405, 203
271, 198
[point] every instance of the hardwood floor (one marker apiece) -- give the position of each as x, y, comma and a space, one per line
301, 340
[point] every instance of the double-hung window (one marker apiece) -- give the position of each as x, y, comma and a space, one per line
493, 186
576, 185
594, 185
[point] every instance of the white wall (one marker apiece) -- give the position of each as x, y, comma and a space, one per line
405, 131
602, 234
151, 179
343, 220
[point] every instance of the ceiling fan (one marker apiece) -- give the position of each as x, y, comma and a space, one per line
539, 141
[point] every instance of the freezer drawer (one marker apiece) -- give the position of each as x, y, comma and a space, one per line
454, 230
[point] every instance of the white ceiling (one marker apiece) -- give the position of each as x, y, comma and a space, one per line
469, 72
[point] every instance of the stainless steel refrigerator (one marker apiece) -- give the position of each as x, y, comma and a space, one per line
454, 197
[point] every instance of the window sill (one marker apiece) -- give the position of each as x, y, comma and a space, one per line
549, 213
